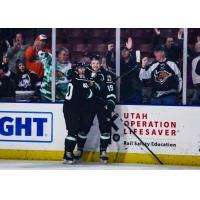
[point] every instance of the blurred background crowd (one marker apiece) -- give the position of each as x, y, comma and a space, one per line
26, 60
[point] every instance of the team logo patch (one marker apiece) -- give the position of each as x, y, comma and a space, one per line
161, 76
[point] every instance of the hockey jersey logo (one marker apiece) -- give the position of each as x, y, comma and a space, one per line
85, 85
161, 76
25, 82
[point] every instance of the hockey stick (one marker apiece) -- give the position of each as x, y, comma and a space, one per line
138, 138
125, 74
135, 67
117, 115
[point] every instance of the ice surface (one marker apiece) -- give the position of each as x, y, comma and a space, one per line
57, 165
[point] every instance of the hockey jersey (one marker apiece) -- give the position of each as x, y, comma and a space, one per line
196, 70
165, 77
104, 88
45, 88
78, 92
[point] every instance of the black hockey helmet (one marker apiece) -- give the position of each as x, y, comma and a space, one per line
95, 57
79, 65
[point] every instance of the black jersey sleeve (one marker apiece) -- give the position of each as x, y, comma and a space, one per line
110, 91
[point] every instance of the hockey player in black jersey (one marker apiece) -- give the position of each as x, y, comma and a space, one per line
101, 105
78, 93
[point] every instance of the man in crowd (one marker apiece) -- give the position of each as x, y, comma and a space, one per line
131, 86
172, 49
31, 55
165, 77
16, 52
7, 85
110, 57
196, 75
3, 45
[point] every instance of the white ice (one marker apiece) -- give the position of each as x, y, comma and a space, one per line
57, 165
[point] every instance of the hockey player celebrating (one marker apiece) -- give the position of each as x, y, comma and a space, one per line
78, 91
102, 104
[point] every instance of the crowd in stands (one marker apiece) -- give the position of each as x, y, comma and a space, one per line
25, 69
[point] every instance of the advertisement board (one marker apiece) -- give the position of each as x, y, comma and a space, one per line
38, 130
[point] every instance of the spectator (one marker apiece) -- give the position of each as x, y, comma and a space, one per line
63, 60
86, 57
7, 86
7, 71
26, 79
172, 50
45, 87
62, 67
110, 58
31, 55
165, 77
16, 52
3, 45
104, 63
196, 75
131, 86
26, 83
61, 84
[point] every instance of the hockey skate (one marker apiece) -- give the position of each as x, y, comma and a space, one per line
78, 155
68, 158
103, 157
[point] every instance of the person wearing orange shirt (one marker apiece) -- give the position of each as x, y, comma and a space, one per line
31, 55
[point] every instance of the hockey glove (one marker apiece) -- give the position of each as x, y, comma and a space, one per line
110, 105
71, 74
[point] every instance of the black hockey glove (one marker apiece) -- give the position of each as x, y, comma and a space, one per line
71, 74
110, 105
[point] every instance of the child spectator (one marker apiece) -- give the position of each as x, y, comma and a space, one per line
26, 82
